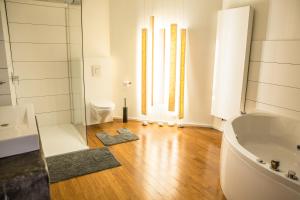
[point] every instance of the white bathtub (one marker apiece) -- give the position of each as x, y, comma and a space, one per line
256, 136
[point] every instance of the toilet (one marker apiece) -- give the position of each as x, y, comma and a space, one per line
102, 110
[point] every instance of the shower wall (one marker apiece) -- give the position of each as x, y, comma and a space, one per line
75, 62
39, 54
6, 86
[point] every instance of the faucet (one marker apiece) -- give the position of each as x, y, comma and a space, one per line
275, 165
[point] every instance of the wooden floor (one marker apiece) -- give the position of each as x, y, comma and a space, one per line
166, 163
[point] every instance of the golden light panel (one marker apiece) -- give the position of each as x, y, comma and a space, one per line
182, 73
172, 81
152, 57
144, 71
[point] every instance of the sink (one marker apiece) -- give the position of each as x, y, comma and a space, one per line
18, 130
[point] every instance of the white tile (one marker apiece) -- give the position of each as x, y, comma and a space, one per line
276, 51
1, 31
3, 58
4, 88
35, 14
75, 35
74, 17
3, 23
48, 3
37, 33
283, 20
76, 69
54, 118
3, 74
5, 100
38, 52
279, 96
279, 74
48, 103
34, 88
75, 51
252, 106
41, 70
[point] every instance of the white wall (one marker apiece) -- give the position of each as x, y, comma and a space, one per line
200, 16
39, 55
96, 48
274, 71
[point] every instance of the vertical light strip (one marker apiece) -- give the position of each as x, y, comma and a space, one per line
152, 58
172, 82
144, 71
182, 73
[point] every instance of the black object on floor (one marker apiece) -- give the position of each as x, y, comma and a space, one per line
124, 136
70, 165
125, 112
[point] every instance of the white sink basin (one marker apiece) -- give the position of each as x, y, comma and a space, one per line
18, 130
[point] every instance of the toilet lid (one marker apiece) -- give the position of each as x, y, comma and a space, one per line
103, 104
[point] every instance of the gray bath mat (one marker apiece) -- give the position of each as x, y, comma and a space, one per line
79, 163
124, 136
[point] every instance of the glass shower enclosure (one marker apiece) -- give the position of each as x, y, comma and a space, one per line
45, 38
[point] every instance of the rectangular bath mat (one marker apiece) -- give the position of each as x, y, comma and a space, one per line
70, 165
124, 136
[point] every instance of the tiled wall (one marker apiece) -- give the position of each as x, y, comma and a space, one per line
75, 64
40, 58
274, 76
274, 71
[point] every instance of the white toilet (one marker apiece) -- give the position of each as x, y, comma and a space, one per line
102, 110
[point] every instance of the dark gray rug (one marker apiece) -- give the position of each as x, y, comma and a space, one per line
124, 136
79, 163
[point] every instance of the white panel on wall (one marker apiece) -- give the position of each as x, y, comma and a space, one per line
231, 61
4, 87
254, 106
54, 118
37, 33
283, 20
5, 100
3, 75
3, 58
35, 14
74, 16
39, 52
1, 30
48, 103
280, 96
41, 70
276, 51
45, 87
274, 73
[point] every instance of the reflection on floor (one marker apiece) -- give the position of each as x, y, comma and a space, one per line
61, 139
166, 163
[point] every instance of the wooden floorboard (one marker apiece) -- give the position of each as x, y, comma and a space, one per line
166, 163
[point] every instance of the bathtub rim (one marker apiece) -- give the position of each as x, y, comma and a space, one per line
230, 136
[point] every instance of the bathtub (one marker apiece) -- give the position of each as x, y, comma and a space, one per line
249, 144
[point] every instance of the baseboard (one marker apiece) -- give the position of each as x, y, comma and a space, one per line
186, 124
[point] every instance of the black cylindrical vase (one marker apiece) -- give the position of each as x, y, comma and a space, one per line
125, 114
